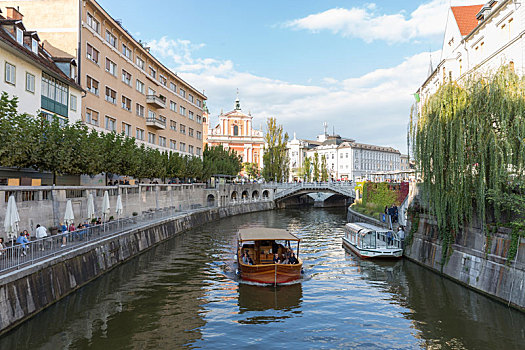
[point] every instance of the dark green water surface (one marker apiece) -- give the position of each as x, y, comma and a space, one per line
183, 294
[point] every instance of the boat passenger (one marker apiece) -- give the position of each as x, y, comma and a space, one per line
276, 259
293, 260
245, 257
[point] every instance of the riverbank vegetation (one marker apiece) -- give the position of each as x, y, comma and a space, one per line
73, 149
469, 145
375, 197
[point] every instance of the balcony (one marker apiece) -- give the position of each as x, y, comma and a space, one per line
156, 123
156, 101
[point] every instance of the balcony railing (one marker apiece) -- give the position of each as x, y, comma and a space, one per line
156, 123
156, 101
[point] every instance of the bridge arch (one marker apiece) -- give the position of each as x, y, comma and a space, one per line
245, 194
234, 195
210, 200
266, 193
255, 194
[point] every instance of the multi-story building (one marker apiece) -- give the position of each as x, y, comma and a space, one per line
479, 39
42, 82
235, 131
345, 159
129, 91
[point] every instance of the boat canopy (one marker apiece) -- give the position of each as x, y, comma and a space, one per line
265, 234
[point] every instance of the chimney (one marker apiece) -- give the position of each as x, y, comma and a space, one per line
14, 13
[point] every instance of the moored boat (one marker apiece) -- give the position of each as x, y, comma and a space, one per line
370, 241
256, 256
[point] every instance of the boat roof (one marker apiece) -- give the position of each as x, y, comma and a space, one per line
367, 226
265, 234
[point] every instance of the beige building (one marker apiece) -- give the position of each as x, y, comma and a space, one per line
128, 90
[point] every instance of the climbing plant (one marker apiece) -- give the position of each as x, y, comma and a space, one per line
468, 141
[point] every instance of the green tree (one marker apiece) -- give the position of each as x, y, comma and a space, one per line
324, 169
306, 169
316, 168
252, 170
275, 156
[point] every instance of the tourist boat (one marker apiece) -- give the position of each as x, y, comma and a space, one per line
261, 244
370, 241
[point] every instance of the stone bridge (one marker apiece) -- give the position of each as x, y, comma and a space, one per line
294, 194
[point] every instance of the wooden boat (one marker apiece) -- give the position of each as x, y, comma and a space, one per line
261, 244
370, 241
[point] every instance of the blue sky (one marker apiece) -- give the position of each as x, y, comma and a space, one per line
353, 64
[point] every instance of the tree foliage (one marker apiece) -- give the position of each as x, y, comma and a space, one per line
469, 142
324, 169
275, 156
72, 149
316, 167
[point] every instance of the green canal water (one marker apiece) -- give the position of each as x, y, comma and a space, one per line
184, 294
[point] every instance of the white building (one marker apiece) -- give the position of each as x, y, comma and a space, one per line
479, 39
345, 159
43, 83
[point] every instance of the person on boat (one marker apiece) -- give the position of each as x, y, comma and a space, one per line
293, 260
389, 238
276, 259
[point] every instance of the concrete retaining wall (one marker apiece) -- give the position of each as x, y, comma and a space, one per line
26, 292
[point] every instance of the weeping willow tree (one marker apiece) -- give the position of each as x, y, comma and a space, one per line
469, 145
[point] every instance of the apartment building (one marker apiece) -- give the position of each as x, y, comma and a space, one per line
129, 91
42, 82
478, 39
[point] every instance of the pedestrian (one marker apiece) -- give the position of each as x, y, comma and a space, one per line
40, 234
2, 245
401, 235
22, 239
63, 231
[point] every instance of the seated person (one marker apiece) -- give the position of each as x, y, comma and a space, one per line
293, 259
245, 257
276, 259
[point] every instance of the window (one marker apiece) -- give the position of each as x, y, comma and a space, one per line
173, 125
92, 85
151, 114
111, 39
199, 151
54, 95
199, 103
10, 73
190, 132
199, 119
182, 93
20, 36
126, 51
152, 72
140, 134
182, 129
140, 63
140, 110
182, 146
92, 54
151, 91
140, 86
190, 149
190, 97
182, 110
73, 102
111, 67
34, 46
93, 23
126, 77
199, 135
30, 82
126, 129
151, 138
111, 95
126, 103
91, 117
173, 106
190, 115
162, 141
173, 87
163, 80
173, 144
235, 130
111, 124
346, 155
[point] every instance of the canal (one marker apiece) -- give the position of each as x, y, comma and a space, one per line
183, 294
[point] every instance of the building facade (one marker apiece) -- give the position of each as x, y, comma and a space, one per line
478, 40
129, 91
235, 131
43, 83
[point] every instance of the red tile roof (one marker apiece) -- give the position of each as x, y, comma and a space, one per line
466, 17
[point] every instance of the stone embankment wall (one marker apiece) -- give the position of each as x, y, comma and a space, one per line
476, 261
26, 292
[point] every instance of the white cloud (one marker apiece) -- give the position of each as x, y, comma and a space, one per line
368, 24
372, 108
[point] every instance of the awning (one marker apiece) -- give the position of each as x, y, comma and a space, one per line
265, 234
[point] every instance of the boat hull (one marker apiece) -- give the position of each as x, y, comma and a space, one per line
373, 253
270, 273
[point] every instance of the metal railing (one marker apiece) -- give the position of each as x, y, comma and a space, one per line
16, 255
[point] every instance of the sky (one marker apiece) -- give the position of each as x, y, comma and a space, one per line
352, 64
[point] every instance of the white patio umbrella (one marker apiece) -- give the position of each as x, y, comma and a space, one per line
118, 208
69, 216
11, 218
105, 205
90, 207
